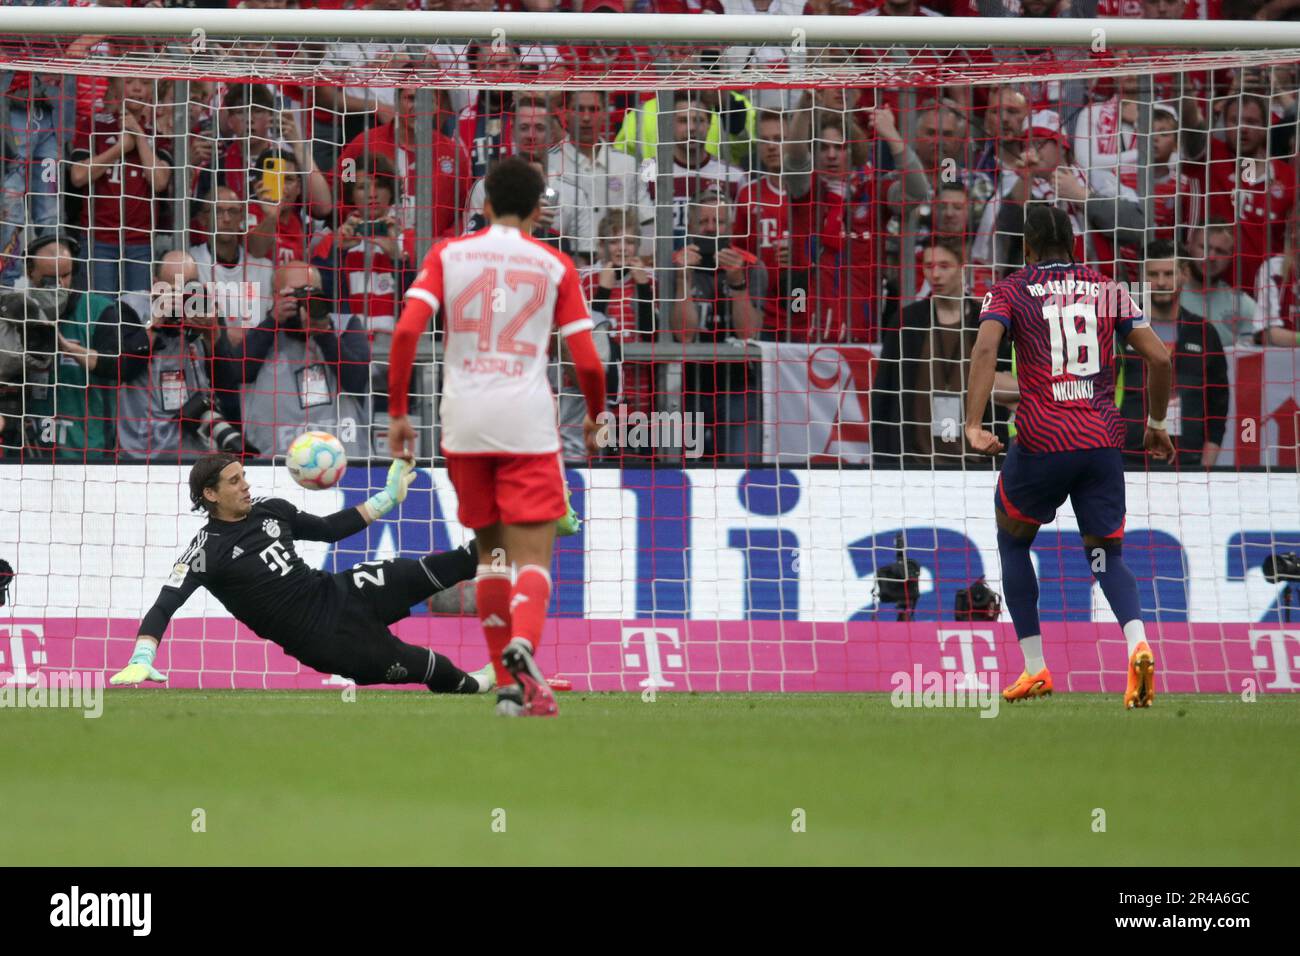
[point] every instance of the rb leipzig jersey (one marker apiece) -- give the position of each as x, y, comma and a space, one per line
1062, 318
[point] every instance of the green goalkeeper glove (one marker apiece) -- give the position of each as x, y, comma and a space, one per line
570, 523
140, 668
401, 473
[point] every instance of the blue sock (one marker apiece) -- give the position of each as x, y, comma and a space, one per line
1116, 579
1020, 584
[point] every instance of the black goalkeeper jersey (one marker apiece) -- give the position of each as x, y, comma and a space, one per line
253, 569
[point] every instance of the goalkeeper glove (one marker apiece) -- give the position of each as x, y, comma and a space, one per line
140, 668
570, 523
401, 473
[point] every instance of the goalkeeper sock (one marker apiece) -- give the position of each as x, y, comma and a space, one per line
492, 592
1021, 586
1120, 587
529, 599
450, 567
446, 678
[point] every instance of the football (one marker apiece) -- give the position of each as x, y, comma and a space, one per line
317, 460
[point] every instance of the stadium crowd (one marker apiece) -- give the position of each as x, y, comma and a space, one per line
227, 272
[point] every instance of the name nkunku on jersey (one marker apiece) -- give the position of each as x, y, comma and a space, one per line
1062, 319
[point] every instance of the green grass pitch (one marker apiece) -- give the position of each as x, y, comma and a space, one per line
407, 778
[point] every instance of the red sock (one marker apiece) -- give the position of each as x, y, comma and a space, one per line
529, 600
492, 590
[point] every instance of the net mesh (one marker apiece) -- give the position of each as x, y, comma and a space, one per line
495, 63
786, 261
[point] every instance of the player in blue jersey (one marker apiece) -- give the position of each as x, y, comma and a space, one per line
1063, 318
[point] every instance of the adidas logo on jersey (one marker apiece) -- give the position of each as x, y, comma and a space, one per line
236, 551
493, 621
517, 600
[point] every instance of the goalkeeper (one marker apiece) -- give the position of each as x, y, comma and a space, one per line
335, 623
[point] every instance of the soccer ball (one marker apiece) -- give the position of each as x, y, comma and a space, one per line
317, 460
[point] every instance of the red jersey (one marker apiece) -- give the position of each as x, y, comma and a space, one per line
290, 236
1179, 201
235, 167
1257, 195
1062, 319
120, 204
833, 239
761, 227
452, 172
1132, 9
620, 305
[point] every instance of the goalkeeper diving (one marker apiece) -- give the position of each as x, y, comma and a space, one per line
334, 623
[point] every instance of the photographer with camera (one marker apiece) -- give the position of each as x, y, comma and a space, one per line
301, 373
48, 408
175, 379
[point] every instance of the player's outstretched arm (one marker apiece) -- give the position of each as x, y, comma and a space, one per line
182, 583
983, 365
1160, 374
401, 473
140, 668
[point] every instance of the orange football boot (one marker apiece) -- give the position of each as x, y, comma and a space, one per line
1141, 678
1027, 687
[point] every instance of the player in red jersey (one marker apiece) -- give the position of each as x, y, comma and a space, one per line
502, 293
762, 224
1063, 318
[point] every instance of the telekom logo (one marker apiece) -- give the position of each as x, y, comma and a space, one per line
15, 659
970, 674
1276, 657
653, 664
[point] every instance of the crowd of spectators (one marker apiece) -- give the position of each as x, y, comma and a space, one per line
234, 281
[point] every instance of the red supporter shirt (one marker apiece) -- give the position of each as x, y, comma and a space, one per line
120, 205
290, 236
761, 227
452, 172
372, 293
620, 306
834, 239
1258, 195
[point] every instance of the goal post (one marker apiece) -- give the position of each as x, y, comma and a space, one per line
785, 226
845, 49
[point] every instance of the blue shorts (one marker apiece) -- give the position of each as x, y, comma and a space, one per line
1033, 485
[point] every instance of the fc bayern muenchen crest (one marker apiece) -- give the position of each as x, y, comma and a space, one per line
271, 527
395, 673
445, 165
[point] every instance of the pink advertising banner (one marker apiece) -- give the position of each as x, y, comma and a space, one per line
681, 655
